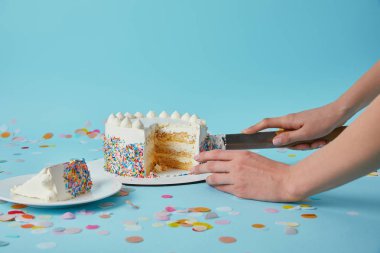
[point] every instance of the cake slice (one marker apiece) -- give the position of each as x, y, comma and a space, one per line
57, 183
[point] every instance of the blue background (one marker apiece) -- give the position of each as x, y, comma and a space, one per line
232, 62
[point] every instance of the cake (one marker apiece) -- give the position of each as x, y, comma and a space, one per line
57, 183
141, 146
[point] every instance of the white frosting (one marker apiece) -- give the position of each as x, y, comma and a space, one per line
126, 122
194, 118
113, 121
151, 115
129, 115
111, 117
186, 117
48, 185
176, 115
164, 115
120, 116
139, 115
137, 124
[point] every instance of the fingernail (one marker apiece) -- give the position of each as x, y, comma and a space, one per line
196, 157
277, 141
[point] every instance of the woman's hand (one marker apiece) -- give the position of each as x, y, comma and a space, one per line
246, 175
305, 125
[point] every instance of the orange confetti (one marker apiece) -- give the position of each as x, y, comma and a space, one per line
27, 225
200, 209
48, 136
258, 225
19, 206
5, 134
28, 216
309, 216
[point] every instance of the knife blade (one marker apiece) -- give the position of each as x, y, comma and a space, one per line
260, 140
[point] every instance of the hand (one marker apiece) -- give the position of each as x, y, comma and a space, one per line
246, 175
302, 126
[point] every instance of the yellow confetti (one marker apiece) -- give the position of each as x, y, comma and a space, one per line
287, 207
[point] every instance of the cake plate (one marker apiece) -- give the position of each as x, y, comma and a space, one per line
170, 177
103, 187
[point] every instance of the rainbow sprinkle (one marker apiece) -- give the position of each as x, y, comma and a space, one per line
77, 177
123, 159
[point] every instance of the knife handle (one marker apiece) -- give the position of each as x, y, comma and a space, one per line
262, 140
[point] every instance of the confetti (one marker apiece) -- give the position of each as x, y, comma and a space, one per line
5, 134
58, 229
47, 136
131, 204
211, 215
103, 232
106, 204
287, 207
200, 209
258, 226
166, 196
291, 231
16, 212
199, 228
134, 239
46, 245
271, 210
72, 231
122, 193
224, 209
28, 225
7, 217
92, 227
68, 216
3, 243
105, 216
170, 209
309, 216
292, 155
227, 239
222, 222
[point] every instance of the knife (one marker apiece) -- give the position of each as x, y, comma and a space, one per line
258, 140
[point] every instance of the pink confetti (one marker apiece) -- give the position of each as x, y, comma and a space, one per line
68, 216
222, 222
166, 196
271, 210
170, 209
92, 227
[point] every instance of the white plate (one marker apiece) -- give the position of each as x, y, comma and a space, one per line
171, 177
103, 187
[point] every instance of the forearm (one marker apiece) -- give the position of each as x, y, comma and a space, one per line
353, 154
363, 92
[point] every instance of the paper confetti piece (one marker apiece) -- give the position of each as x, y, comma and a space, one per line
271, 210
291, 231
3, 243
103, 232
131, 204
292, 155
199, 228
106, 204
5, 134
134, 239
166, 196
170, 209
122, 193
227, 239
28, 225
28, 216
92, 227
15, 212
258, 226
211, 215
72, 231
200, 209
287, 207
68, 216
7, 217
105, 216
48, 136
309, 216
46, 245
222, 222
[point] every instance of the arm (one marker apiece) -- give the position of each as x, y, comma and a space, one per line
314, 123
353, 154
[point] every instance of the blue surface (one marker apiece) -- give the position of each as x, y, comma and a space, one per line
63, 63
